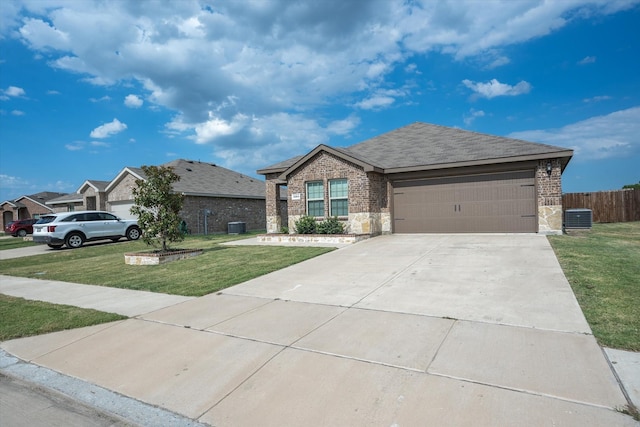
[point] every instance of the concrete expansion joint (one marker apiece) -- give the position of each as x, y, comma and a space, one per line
523, 391
623, 389
398, 273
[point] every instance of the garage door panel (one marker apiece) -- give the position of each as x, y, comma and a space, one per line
501, 202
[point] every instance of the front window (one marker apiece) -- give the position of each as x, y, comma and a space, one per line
338, 197
315, 198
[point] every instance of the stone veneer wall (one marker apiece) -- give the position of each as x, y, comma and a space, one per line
275, 208
368, 194
549, 192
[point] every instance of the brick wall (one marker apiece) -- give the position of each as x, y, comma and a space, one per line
76, 206
100, 198
122, 191
224, 210
368, 192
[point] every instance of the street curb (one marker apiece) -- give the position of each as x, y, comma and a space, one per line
129, 410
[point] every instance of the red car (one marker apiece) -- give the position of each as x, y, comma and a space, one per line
21, 227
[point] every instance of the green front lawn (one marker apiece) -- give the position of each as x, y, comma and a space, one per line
217, 268
603, 268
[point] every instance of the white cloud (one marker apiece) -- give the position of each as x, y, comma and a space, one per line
597, 98
12, 92
343, 127
42, 35
473, 114
53, 92
75, 146
133, 101
376, 102
108, 129
494, 88
587, 60
611, 135
412, 68
497, 62
13, 182
103, 99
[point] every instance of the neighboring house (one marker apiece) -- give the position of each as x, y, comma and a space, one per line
24, 207
213, 196
424, 178
94, 195
66, 203
90, 196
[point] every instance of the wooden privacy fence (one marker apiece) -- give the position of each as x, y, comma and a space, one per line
607, 206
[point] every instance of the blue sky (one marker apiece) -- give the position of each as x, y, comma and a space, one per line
89, 87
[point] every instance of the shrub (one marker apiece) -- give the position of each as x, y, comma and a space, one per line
306, 225
284, 230
330, 226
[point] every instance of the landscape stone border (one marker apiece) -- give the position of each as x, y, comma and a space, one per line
312, 238
153, 258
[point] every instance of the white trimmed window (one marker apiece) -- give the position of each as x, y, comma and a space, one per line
315, 198
338, 197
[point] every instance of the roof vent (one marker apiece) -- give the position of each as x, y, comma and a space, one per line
190, 170
578, 218
190, 161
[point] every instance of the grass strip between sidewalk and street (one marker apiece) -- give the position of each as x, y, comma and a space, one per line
603, 267
23, 318
14, 243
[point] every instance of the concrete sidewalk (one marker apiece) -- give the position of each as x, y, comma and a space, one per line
113, 300
397, 330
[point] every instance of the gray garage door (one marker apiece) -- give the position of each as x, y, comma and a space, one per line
490, 203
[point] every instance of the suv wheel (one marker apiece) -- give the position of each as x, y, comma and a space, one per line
74, 240
22, 233
133, 233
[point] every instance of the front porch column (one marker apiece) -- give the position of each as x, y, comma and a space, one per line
274, 220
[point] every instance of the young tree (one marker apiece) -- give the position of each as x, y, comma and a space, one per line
158, 207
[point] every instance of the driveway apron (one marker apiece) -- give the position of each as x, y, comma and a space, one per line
398, 330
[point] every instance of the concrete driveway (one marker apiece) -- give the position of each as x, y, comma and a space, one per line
443, 330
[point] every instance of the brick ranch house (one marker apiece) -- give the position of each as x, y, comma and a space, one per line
424, 178
90, 196
213, 196
25, 207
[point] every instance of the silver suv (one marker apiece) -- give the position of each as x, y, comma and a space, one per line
75, 228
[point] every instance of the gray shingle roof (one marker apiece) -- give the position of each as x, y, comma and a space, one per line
200, 178
100, 185
425, 145
67, 198
422, 144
